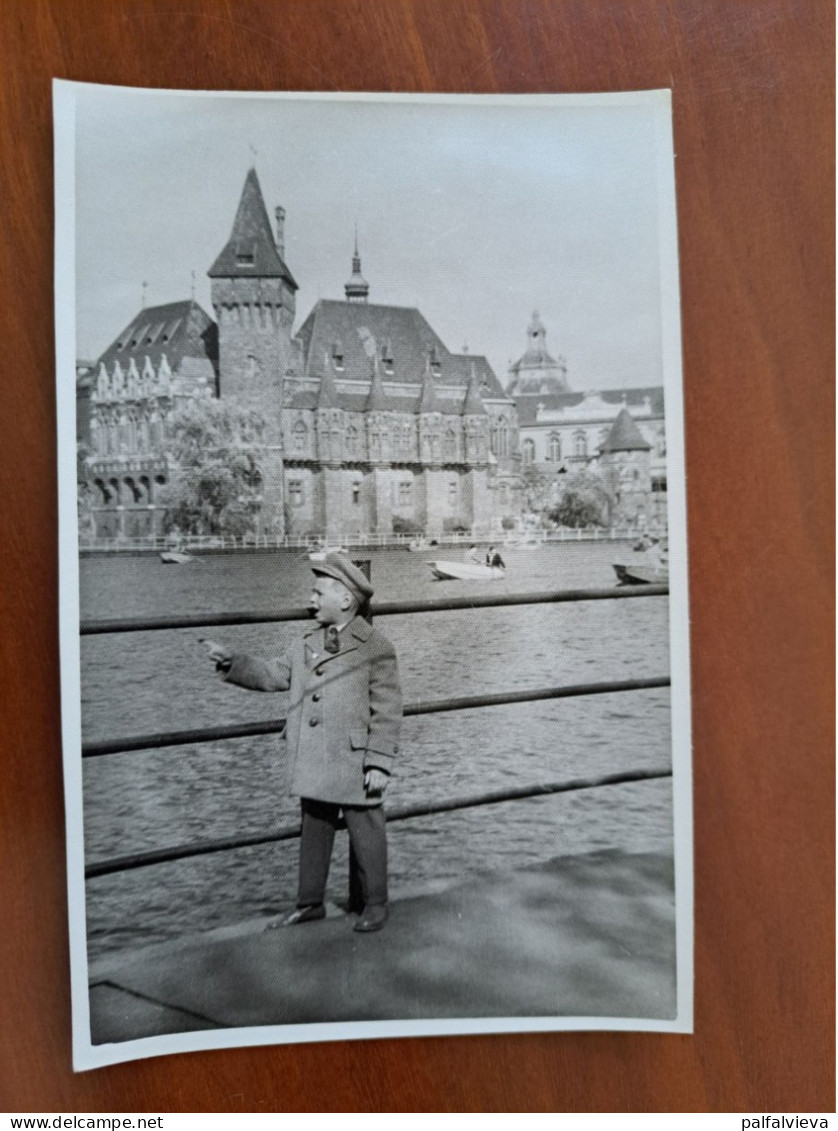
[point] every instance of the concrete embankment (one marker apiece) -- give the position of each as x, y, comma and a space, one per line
590, 935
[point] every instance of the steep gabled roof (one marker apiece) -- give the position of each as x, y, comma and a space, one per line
624, 436
250, 252
180, 330
364, 329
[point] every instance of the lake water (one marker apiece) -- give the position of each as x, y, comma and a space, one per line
155, 681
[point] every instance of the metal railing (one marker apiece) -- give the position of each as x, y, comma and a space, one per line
129, 743
152, 543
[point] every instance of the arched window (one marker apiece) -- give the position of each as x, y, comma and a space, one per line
580, 443
528, 451
299, 437
499, 438
451, 445
555, 447
356, 492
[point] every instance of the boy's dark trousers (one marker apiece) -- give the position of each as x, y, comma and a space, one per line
368, 852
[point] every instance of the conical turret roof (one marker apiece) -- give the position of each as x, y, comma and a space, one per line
428, 401
377, 399
327, 396
473, 403
251, 252
625, 436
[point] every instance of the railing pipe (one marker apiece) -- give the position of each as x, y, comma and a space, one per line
379, 609
98, 749
426, 809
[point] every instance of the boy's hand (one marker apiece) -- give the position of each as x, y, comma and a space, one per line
375, 782
218, 653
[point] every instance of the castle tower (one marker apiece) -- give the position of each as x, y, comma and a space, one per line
357, 289
625, 459
253, 295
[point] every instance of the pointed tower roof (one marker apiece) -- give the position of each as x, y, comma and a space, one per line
251, 252
625, 436
473, 403
327, 396
357, 289
377, 399
428, 400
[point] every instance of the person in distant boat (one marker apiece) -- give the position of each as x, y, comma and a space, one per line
493, 558
342, 735
472, 556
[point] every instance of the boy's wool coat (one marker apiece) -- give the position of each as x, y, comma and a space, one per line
344, 712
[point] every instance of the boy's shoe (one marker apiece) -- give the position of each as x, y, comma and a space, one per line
300, 915
372, 918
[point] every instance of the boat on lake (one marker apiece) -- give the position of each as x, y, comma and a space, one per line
465, 571
175, 557
651, 567
641, 574
319, 555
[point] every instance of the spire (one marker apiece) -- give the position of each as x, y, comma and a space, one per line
537, 338
327, 396
251, 252
357, 289
624, 436
428, 401
377, 398
473, 403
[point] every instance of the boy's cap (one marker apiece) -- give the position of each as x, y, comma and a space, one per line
342, 569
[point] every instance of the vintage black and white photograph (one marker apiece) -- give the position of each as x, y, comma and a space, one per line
373, 567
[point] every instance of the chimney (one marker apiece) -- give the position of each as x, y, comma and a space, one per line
279, 212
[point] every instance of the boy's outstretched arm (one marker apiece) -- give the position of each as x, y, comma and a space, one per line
249, 671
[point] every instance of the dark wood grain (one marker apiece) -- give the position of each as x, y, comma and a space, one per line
753, 105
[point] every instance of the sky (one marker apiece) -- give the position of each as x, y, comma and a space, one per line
475, 214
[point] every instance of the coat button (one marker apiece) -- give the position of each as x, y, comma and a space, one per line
318, 671
316, 697
312, 722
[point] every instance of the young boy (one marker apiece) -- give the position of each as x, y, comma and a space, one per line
342, 733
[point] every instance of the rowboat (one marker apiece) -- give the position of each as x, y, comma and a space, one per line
175, 557
641, 574
465, 571
320, 555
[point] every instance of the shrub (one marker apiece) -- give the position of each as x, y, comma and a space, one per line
404, 525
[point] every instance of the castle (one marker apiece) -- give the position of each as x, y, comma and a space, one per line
372, 424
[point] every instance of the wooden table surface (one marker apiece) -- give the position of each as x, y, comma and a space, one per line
753, 106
